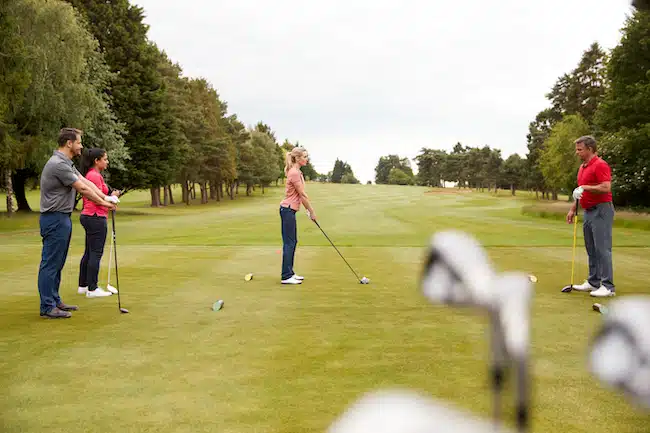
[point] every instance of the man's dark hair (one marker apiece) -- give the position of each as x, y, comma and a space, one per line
588, 141
66, 134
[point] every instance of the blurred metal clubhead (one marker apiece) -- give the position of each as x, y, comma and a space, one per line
619, 354
457, 270
403, 411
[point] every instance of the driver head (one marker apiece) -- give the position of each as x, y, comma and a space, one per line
457, 270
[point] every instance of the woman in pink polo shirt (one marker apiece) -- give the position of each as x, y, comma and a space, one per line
294, 196
94, 221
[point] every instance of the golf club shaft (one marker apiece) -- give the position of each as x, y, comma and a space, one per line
337, 250
523, 398
117, 278
575, 234
498, 367
110, 261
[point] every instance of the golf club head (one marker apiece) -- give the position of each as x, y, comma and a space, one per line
513, 297
364, 280
513, 294
619, 354
457, 270
123, 310
405, 411
567, 289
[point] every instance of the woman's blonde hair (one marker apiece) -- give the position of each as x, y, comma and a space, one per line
292, 157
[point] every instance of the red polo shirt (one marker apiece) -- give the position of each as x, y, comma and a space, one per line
594, 172
90, 207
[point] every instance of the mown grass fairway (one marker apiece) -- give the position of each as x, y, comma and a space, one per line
290, 359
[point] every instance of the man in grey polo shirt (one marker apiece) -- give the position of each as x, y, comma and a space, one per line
60, 181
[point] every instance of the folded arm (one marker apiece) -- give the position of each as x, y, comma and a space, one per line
601, 188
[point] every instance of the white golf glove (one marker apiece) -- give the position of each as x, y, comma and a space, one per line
113, 199
577, 193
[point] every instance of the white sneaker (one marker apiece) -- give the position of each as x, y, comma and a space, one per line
82, 290
97, 293
602, 292
298, 277
584, 287
111, 289
292, 280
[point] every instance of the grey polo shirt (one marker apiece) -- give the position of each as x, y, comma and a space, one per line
57, 193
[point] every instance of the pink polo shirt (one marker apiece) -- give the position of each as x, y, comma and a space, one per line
90, 207
291, 194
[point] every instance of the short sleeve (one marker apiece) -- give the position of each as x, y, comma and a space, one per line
93, 176
603, 173
294, 177
66, 174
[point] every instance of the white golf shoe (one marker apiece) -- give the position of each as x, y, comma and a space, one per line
584, 287
298, 277
602, 292
111, 289
292, 280
82, 290
97, 293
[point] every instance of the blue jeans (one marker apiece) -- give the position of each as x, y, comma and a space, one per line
289, 240
56, 231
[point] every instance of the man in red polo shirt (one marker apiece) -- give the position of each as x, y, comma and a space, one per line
594, 192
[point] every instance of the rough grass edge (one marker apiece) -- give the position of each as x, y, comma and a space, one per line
623, 218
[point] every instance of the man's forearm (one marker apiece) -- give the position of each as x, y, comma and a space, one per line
93, 187
92, 195
601, 188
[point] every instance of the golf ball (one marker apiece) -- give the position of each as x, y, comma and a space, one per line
532, 278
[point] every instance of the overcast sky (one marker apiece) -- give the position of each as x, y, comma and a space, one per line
360, 79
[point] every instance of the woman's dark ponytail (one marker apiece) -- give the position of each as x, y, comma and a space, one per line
89, 157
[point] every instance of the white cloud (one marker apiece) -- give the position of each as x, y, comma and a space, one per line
361, 79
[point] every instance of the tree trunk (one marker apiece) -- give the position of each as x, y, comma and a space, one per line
193, 189
237, 187
204, 192
10, 193
18, 179
185, 192
232, 191
171, 196
512, 188
213, 190
165, 196
262, 189
155, 196
554, 195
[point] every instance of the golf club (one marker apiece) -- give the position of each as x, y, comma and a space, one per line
405, 411
363, 280
619, 354
457, 272
108, 280
569, 288
117, 278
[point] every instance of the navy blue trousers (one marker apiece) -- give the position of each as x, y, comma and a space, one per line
289, 240
56, 231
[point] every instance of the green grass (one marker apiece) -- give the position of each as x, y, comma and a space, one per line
290, 359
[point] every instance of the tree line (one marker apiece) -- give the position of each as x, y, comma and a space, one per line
90, 65
606, 95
